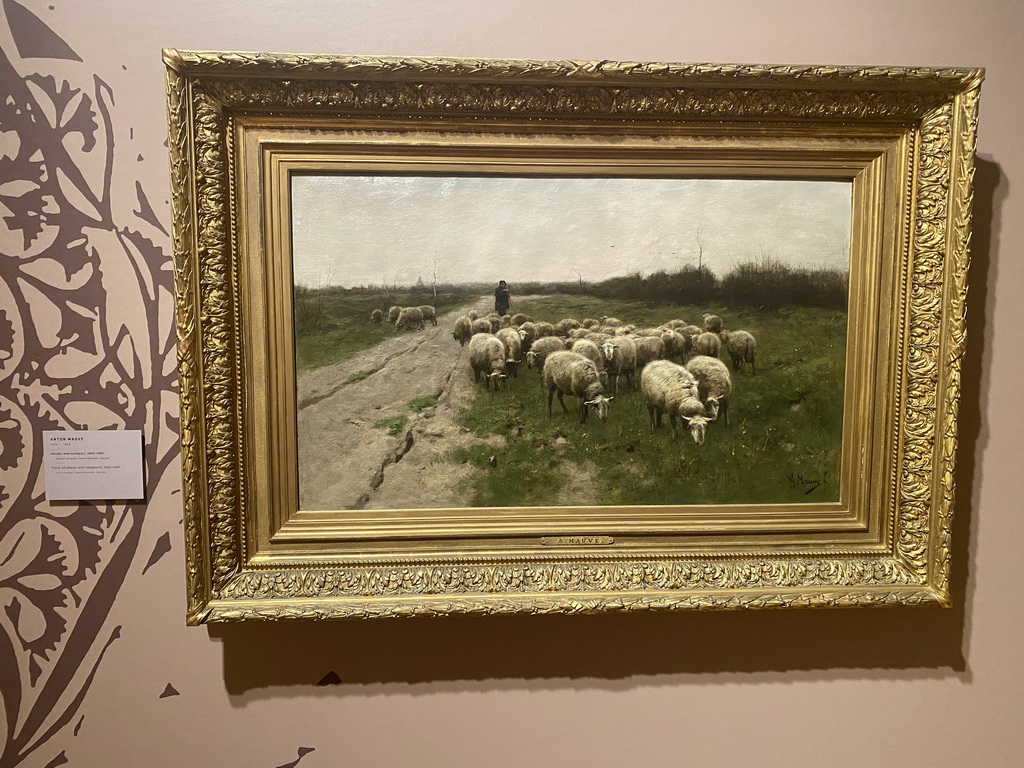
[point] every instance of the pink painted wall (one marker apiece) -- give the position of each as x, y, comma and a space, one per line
86, 589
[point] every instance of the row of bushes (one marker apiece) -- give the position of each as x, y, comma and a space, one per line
766, 284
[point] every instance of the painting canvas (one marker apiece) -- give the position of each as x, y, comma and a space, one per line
753, 273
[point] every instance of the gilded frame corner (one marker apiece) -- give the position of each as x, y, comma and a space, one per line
908, 134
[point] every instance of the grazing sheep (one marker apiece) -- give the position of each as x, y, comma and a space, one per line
590, 322
509, 337
712, 323
429, 313
742, 348
570, 373
691, 331
377, 317
410, 317
592, 352
620, 360
393, 313
481, 325
463, 330
519, 318
713, 385
707, 344
677, 345
541, 348
672, 389
487, 359
648, 348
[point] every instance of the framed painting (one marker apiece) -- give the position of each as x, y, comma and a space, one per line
488, 336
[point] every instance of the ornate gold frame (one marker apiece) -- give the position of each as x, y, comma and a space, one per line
240, 123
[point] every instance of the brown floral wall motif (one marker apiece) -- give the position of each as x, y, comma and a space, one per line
85, 343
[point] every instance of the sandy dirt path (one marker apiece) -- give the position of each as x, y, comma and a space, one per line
347, 463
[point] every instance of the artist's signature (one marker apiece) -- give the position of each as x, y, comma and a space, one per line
809, 484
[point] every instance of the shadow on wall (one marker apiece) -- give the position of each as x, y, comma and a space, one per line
893, 641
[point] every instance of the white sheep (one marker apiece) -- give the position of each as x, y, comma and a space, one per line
592, 352
509, 338
410, 317
707, 344
742, 348
481, 325
377, 317
648, 348
712, 323
463, 331
677, 345
672, 389
487, 359
429, 313
714, 385
570, 373
620, 360
393, 313
541, 348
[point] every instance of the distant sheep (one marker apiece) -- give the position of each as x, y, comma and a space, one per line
619, 360
393, 313
742, 348
677, 345
672, 389
713, 385
472, 315
487, 359
541, 348
509, 338
377, 317
707, 344
691, 331
611, 322
463, 331
570, 373
410, 317
712, 323
429, 314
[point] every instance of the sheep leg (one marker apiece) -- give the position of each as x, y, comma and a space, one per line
650, 412
561, 401
551, 396
584, 411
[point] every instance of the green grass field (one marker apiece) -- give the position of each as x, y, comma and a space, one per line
783, 444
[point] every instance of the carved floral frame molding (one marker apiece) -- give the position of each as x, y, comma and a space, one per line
936, 108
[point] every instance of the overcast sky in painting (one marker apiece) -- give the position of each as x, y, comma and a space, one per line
360, 230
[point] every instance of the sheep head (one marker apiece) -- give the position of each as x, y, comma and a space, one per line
712, 405
600, 406
698, 426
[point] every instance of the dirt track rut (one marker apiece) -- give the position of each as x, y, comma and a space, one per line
347, 463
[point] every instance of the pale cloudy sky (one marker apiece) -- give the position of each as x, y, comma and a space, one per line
360, 230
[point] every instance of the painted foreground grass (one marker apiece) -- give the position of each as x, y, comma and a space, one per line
783, 444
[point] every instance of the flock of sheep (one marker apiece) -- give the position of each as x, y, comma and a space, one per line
412, 318
680, 373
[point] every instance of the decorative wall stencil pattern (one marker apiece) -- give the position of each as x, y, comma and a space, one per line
82, 346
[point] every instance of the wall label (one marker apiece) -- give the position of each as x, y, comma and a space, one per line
92, 464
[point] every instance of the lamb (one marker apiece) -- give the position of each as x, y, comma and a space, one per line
481, 325
742, 348
712, 323
620, 360
463, 331
487, 359
393, 313
570, 373
410, 317
707, 344
509, 338
671, 388
541, 348
377, 317
429, 313
713, 385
